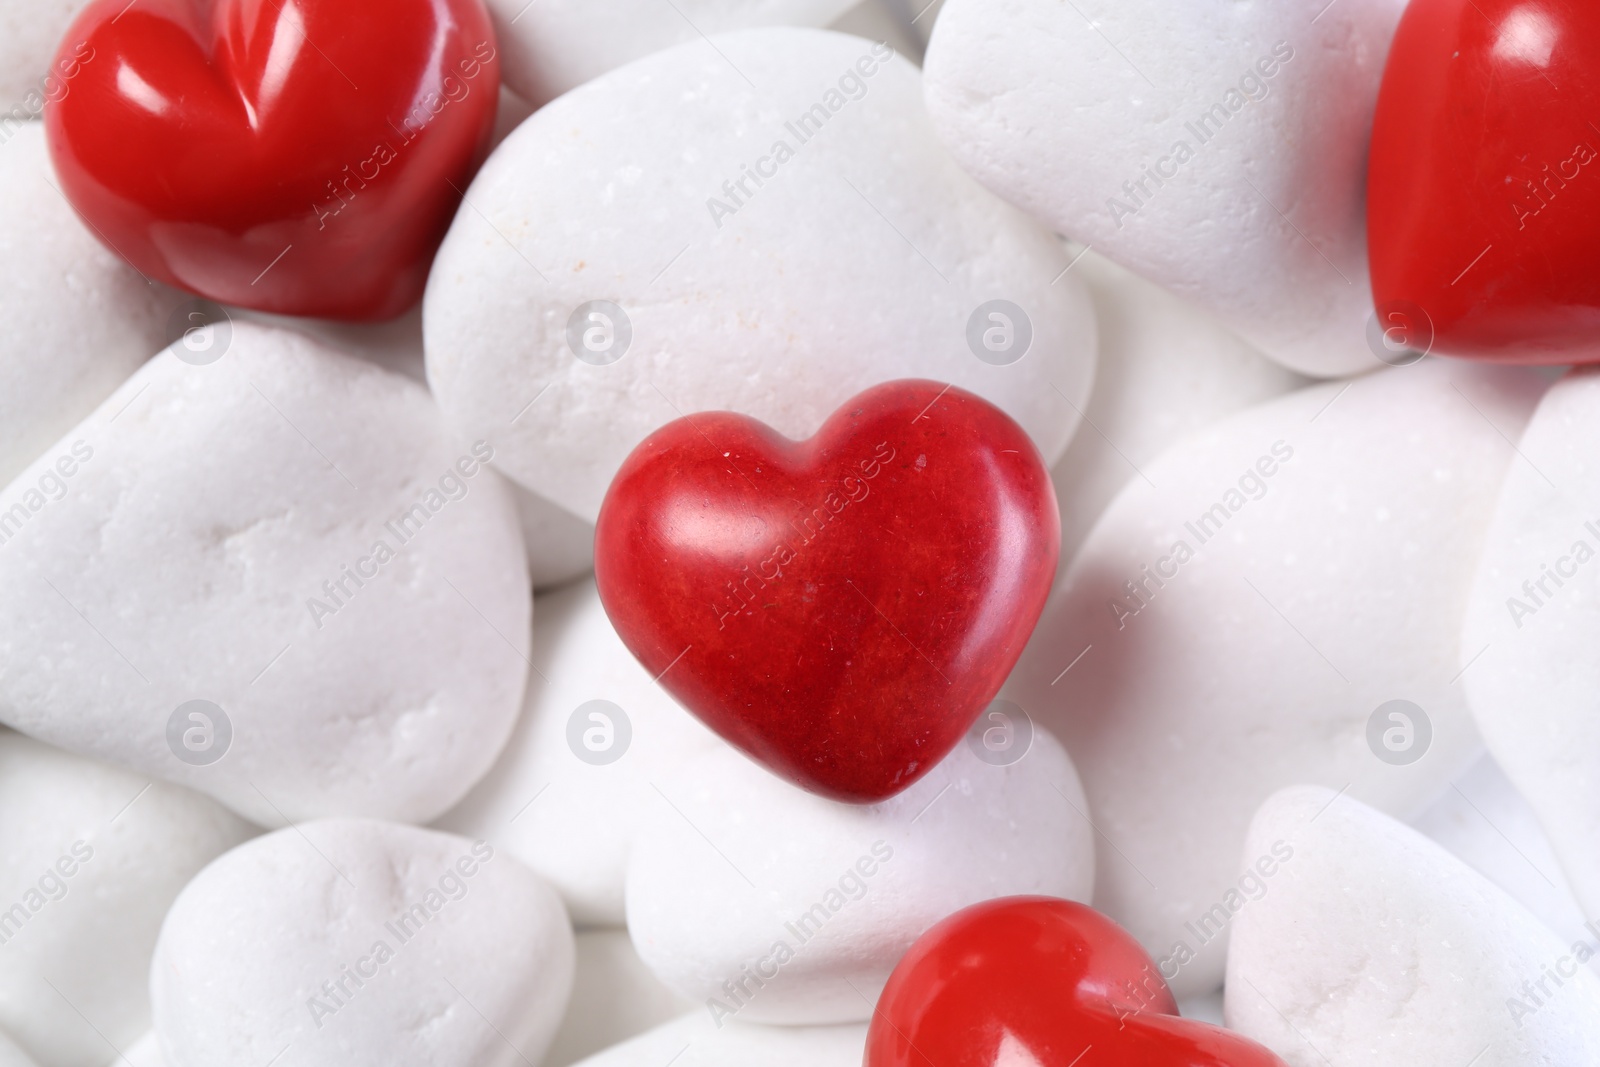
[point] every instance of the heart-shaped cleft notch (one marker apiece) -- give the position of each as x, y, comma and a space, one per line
1483, 201
1039, 982
296, 156
842, 608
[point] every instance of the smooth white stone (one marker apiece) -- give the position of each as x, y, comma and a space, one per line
864, 260
1323, 589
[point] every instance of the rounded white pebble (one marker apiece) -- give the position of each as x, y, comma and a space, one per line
1533, 618
1216, 148
696, 1041
605, 279
614, 997
769, 904
77, 319
1371, 944
1235, 624
572, 788
357, 942
550, 46
91, 857
292, 539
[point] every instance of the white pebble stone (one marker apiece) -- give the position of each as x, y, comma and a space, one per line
183, 544
614, 997
1260, 215
91, 857
30, 32
550, 46
695, 1041
865, 258
1328, 540
77, 319
560, 545
1374, 945
355, 942
762, 902
1166, 370
1529, 636
571, 817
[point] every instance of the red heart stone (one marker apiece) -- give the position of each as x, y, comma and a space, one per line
1484, 189
840, 608
1039, 982
296, 156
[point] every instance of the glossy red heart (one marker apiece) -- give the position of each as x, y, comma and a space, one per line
1484, 192
840, 608
1039, 982
296, 156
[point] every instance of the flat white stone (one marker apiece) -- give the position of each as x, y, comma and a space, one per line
91, 858
571, 791
1238, 616
78, 320
865, 256
1371, 944
1216, 148
766, 903
211, 534
355, 942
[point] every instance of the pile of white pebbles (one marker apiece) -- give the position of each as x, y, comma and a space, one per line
322, 751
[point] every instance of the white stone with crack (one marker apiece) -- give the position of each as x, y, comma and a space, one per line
618, 264
769, 904
1216, 148
361, 943
1233, 624
292, 538
91, 857
1371, 944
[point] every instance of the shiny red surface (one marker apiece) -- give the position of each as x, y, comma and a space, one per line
1484, 190
296, 156
840, 608
1037, 980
